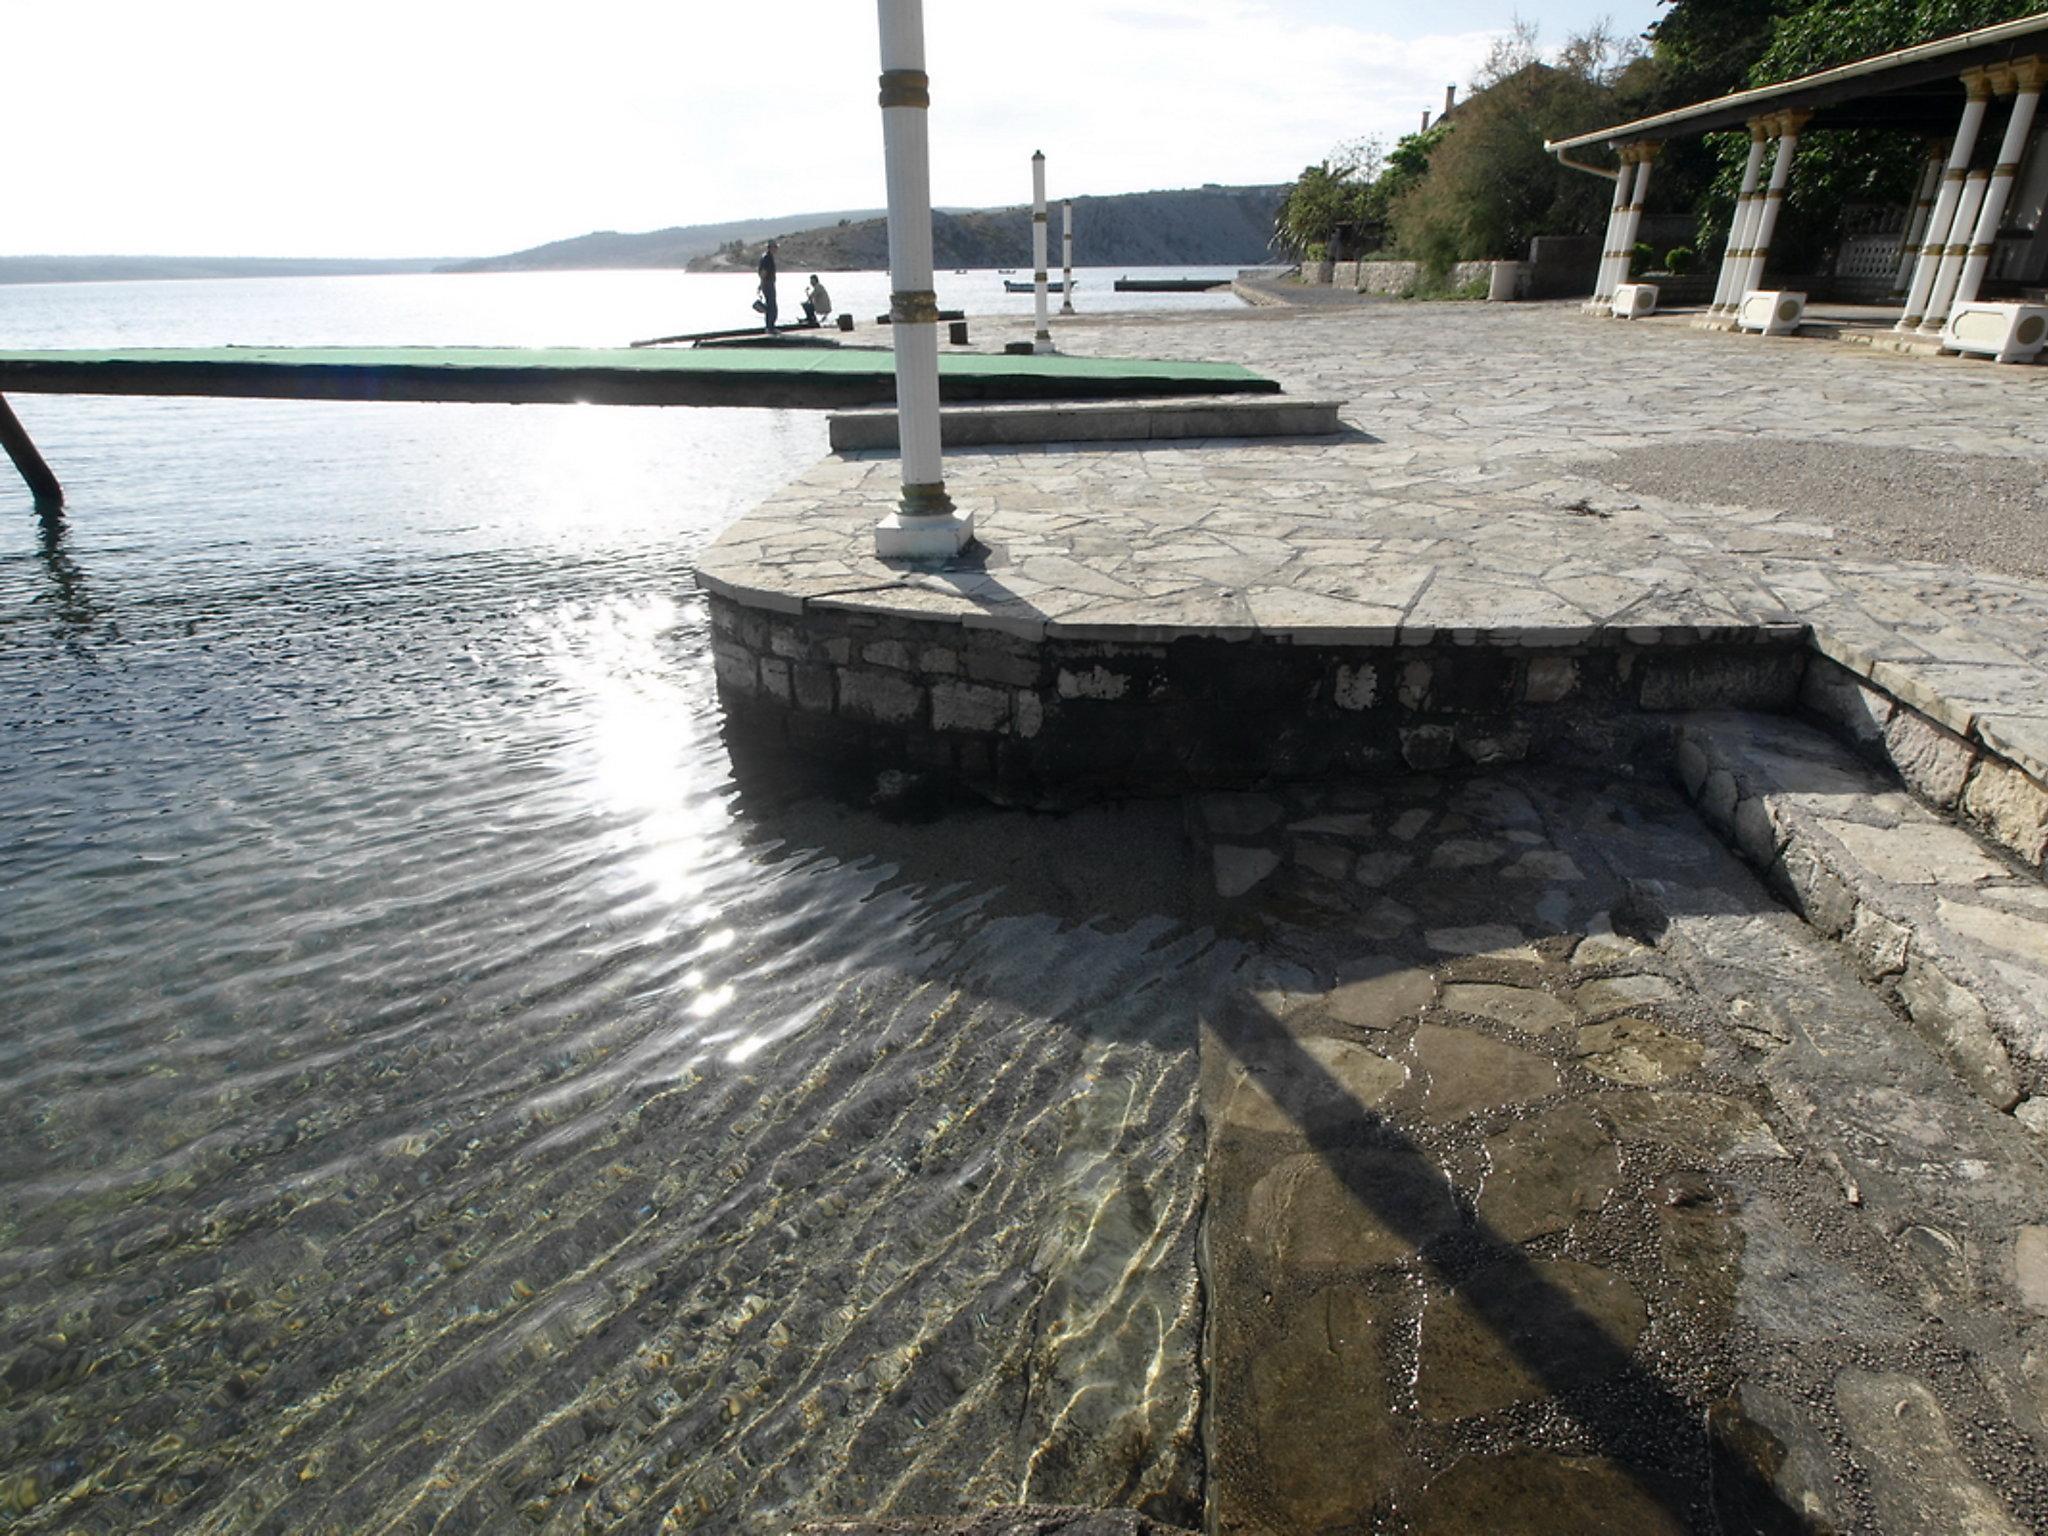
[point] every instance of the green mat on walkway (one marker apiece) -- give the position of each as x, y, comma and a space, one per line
707, 360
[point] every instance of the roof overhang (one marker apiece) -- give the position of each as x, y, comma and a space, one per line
1917, 89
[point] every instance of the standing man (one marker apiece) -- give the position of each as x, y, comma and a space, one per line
766, 271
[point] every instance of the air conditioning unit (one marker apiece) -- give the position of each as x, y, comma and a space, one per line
1771, 311
1634, 300
2006, 333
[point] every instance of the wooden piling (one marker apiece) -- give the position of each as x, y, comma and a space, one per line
42, 485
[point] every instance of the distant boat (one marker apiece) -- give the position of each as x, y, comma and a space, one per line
959, 271
1006, 269
1170, 284
1033, 287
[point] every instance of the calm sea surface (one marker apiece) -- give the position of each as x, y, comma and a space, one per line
441, 1092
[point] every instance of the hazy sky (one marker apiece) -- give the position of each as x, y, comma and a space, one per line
445, 127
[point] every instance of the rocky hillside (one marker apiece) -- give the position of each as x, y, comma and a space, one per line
675, 247
1206, 226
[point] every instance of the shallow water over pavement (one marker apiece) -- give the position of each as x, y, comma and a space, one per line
440, 1092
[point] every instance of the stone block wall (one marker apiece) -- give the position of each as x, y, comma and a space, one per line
1999, 793
1053, 722
1393, 278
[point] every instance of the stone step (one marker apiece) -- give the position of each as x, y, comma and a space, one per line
1951, 929
1097, 421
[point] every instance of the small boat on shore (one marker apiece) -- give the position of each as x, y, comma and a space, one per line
1170, 284
1029, 287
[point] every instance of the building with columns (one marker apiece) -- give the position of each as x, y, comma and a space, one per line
1975, 228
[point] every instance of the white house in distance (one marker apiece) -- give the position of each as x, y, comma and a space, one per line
1965, 263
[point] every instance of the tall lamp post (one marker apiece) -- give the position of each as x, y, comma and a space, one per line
1041, 339
1067, 258
926, 524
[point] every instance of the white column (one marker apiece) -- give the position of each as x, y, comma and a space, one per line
1916, 219
1067, 258
1632, 215
1753, 220
1041, 339
1953, 255
926, 525
1929, 260
1737, 252
1789, 124
2027, 76
1603, 283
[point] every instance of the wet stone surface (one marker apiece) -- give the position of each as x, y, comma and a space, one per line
1534, 1204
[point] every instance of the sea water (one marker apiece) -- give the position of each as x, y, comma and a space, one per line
437, 1086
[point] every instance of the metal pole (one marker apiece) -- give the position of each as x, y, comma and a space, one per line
42, 485
926, 524
1067, 258
1041, 340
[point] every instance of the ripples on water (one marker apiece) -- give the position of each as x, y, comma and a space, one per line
440, 1093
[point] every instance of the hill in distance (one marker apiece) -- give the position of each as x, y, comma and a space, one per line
116, 269
676, 247
1203, 226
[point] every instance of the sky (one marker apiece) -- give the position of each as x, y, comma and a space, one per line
454, 128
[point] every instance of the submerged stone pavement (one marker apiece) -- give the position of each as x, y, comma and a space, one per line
1558, 1177
1561, 1181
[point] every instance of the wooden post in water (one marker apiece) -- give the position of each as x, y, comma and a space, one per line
42, 485
926, 525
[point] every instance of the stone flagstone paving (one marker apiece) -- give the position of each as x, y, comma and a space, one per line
1468, 502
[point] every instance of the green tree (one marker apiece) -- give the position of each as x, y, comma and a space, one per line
1490, 187
1330, 196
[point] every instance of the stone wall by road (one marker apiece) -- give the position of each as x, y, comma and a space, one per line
1394, 278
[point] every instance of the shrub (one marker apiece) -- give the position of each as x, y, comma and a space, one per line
1642, 259
1679, 260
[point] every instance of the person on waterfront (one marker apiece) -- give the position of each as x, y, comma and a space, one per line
817, 303
765, 270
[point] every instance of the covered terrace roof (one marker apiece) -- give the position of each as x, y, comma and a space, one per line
1916, 88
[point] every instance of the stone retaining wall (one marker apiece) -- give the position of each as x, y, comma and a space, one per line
1057, 722
1394, 278
1949, 932
1989, 784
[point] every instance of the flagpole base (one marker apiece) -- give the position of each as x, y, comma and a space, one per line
940, 537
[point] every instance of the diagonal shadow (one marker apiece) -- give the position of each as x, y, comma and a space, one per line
1640, 1425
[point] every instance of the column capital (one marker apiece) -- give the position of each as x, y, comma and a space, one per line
2031, 73
1649, 149
2000, 76
1977, 84
1760, 128
1790, 123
